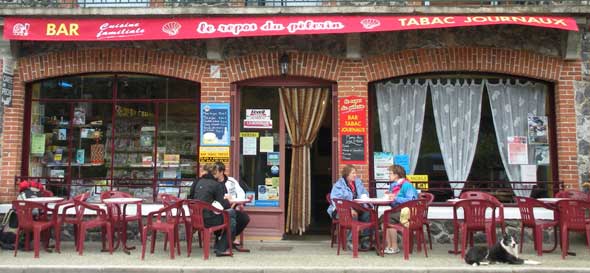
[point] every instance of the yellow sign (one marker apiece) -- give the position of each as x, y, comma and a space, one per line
420, 181
213, 154
249, 134
417, 177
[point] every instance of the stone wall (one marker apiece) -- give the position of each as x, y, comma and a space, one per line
582, 106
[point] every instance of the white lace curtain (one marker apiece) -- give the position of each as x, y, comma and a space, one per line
401, 109
512, 103
457, 110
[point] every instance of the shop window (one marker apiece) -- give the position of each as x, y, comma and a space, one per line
145, 142
487, 172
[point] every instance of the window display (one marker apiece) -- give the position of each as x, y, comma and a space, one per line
144, 141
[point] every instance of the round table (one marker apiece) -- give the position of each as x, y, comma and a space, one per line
118, 217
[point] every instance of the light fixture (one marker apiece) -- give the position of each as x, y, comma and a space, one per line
284, 64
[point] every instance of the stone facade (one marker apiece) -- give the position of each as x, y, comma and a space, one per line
583, 111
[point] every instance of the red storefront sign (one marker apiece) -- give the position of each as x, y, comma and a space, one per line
353, 130
110, 29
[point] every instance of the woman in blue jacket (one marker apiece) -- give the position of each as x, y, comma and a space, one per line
350, 187
400, 191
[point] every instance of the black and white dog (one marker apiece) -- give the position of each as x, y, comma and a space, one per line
504, 251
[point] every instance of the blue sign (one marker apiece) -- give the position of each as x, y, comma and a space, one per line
215, 130
404, 161
266, 203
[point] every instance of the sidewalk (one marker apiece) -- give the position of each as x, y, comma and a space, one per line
275, 256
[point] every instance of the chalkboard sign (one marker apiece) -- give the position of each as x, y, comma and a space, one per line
353, 147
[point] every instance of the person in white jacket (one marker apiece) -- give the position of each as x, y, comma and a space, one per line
233, 189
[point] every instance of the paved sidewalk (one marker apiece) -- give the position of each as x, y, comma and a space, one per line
274, 256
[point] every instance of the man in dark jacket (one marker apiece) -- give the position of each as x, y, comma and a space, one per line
208, 189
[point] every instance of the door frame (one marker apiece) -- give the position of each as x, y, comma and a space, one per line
278, 81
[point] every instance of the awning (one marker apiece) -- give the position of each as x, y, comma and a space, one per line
117, 29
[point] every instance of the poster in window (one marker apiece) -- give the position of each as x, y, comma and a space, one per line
215, 130
79, 116
517, 150
381, 163
542, 154
537, 126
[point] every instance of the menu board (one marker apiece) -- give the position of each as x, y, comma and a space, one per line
353, 147
353, 129
215, 129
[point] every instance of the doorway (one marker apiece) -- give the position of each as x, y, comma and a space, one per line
261, 154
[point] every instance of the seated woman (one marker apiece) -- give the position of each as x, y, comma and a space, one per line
350, 187
400, 191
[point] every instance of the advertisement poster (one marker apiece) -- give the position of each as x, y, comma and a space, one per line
404, 161
353, 130
258, 119
213, 154
266, 144
517, 150
38, 144
249, 145
215, 130
542, 154
537, 130
381, 163
272, 159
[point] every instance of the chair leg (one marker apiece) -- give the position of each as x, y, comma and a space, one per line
143, 242
355, 242
206, 242
521, 238
57, 229
463, 241
538, 235
172, 241
36, 241
153, 242
16, 241
406, 245
564, 241
429, 236
189, 240
110, 237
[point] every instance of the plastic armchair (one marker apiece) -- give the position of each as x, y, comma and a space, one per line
499, 208
346, 221
429, 197
168, 200
474, 219
45, 193
418, 209
60, 217
101, 219
27, 212
526, 207
164, 220
573, 216
333, 225
121, 214
573, 194
196, 208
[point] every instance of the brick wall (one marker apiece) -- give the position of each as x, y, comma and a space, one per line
352, 76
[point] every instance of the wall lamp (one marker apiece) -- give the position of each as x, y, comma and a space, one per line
284, 64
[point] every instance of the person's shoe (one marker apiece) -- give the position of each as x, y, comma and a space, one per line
388, 250
223, 254
394, 251
349, 245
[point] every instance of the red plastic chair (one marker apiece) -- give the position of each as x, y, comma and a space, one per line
499, 208
165, 220
573, 216
196, 208
101, 219
27, 212
573, 194
168, 200
429, 197
526, 207
347, 222
45, 193
333, 225
418, 209
475, 219
122, 213
60, 217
